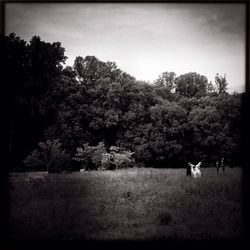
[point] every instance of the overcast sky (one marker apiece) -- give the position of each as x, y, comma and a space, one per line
143, 39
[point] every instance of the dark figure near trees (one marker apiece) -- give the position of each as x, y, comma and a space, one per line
220, 163
188, 170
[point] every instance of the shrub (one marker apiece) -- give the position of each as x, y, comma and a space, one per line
90, 156
97, 154
49, 155
123, 160
34, 160
83, 155
105, 161
96, 157
117, 160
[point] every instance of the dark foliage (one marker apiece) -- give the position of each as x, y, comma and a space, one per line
174, 120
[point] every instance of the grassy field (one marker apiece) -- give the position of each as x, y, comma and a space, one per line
134, 204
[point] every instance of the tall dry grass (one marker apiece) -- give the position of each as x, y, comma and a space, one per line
132, 204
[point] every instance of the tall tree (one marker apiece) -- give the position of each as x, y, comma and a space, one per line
166, 79
28, 72
208, 135
191, 85
14, 74
90, 69
221, 83
95, 101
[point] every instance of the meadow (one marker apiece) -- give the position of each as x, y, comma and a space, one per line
128, 204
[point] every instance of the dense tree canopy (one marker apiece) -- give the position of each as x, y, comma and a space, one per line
166, 79
191, 85
28, 73
165, 124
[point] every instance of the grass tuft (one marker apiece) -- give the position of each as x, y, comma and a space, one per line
165, 218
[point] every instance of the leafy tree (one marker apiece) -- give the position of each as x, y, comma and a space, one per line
84, 155
166, 139
90, 156
210, 88
221, 83
191, 85
79, 156
28, 72
49, 155
164, 93
14, 66
34, 160
166, 79
121, 159
163, 123
90, 69
207, 134
229, 108
97, 155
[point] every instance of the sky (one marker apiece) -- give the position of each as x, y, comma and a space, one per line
143, 39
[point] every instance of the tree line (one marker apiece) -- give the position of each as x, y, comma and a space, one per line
166, 123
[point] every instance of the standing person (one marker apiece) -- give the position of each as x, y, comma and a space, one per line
217, 166
189, 170
222, 164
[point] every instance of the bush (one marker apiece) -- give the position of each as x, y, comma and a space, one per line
123, 160
34, 160
49, 156
96, 157
115, 160
90, 156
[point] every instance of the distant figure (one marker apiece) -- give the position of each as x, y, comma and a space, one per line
195, 170
198, 170
220, 163
189, 170
217, 166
